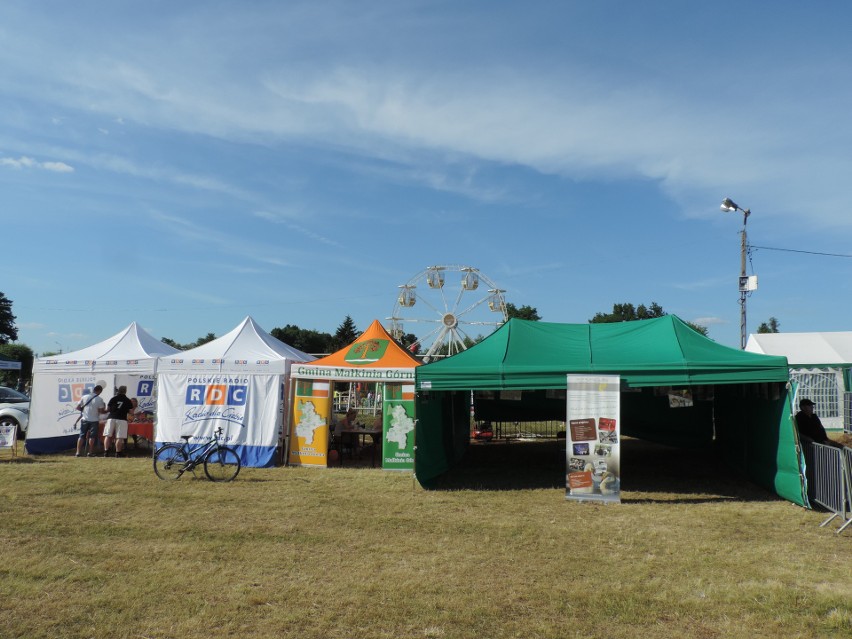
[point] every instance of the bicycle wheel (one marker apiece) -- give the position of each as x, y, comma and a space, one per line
221, 464
169, 461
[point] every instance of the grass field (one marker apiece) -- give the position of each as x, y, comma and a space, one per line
102, 548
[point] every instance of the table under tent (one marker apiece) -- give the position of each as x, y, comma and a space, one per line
237, 381
820, 365
738, 402
128, 358
385, 370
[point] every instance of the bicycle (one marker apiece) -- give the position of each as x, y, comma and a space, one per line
220, 462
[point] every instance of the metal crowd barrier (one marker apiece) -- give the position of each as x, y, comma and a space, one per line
847, 412
829, 476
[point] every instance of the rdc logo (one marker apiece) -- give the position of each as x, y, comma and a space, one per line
74, 392
216, 395
145, 388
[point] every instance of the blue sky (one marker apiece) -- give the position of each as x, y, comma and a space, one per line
186, 164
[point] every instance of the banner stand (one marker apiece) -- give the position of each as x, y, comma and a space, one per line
9, 438
593, 438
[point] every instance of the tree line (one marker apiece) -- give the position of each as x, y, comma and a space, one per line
318, 342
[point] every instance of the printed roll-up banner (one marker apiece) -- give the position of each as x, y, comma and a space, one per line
398, 427
310, 424
593, 438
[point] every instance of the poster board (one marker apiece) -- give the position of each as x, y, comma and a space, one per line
398, 427
593, 438
9, 437
309, 434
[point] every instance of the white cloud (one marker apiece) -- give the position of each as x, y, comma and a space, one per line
285, 219
31, 325
20, 163
701, 284
571, 115
59, 167
709, 321
25, 162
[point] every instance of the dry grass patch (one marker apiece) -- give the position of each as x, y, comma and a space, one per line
101, 548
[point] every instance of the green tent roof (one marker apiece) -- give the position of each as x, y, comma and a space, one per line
663, 351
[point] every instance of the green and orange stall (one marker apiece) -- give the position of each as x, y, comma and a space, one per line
375, 361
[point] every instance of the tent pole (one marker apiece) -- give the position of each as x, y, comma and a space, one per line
285, 449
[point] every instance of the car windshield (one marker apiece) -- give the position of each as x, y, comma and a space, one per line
10, 395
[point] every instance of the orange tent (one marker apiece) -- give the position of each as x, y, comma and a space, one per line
374, 357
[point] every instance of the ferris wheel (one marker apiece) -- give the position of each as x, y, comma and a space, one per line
447, 308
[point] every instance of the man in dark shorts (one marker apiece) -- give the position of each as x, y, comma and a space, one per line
116, 425
92, 406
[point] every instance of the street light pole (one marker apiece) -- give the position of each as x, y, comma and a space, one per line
746, 285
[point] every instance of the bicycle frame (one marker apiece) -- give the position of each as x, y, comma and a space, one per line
195, 456
221, 463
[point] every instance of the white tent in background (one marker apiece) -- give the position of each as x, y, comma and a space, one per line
821, 365
238, 382
128, 358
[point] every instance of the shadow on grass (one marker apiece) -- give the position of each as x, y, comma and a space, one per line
647, 468
21, 459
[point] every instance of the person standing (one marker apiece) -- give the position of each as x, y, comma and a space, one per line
92, 407
116, 425
810, 425
345, 428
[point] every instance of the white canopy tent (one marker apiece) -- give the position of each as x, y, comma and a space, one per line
238, 382
820, 364
128, 358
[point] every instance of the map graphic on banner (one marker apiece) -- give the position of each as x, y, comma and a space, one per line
401, 425
593, 438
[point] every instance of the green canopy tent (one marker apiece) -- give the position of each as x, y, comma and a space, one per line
741, 401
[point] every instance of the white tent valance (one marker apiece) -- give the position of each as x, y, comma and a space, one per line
805, 349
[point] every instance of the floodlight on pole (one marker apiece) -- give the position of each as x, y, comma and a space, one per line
746, 283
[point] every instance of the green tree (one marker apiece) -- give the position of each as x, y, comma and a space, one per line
8, 330
407, 339
772, 326
306, 340
346, 333
626, 312
20, 353
524, 312
185, 347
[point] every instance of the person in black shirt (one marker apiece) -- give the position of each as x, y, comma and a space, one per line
116, 425
810, 425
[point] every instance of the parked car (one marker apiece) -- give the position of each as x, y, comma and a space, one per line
483, 432
14, 409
